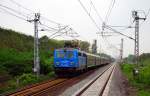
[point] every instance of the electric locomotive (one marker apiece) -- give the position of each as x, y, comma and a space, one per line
71, 61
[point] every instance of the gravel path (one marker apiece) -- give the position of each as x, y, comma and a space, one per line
119, 85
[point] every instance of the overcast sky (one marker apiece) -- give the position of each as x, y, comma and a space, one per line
70, 12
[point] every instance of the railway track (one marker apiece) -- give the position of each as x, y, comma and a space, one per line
38, 87
57, 86
97, 86
41, 89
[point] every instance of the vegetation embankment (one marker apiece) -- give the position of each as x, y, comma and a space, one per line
141, 82
16, 59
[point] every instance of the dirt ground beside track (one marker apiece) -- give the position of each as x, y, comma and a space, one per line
120, 85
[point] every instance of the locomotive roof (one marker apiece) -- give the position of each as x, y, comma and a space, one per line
80, 52
66, 49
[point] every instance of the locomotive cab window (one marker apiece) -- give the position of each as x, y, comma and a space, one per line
69, 54
60, 54
64, 54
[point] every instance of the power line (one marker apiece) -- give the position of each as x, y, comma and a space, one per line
4, 10
96, 11
42, 17
50, 20
58, 31
88, 14
104, 37
93, 20
109, 10
22, 18
21, 6
15, 11
146, 15
22, 15
118, 32
48, 26
102, 21
109, 44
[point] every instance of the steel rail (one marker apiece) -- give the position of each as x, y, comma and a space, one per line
44, 91
38, 87
84, 88
104, 87
42, 88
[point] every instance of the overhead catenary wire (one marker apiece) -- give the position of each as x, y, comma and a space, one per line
93, 19
51, 21
16, 3
148, 13
48, 27
108, 26
15, 11
146, 16
109, 10
89, 15
20, 13
102, 21
10, 13
23, 16
57, 32
26, 15
95, 24
52, 37
104, 37
107, 42
96, 11
31, 11
42, 17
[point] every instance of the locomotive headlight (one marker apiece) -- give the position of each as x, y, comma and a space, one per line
71, 63
57, 63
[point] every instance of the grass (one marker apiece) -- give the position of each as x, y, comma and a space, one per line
140, 82
24, 80
143, 93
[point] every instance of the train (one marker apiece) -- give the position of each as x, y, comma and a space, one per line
71, 61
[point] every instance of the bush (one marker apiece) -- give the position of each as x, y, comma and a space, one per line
16, 63
143, 93
46, 61
144, 75
27, 79
142, 81
127, 70
51, 74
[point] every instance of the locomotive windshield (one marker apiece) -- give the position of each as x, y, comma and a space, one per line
60, 54
64, 54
